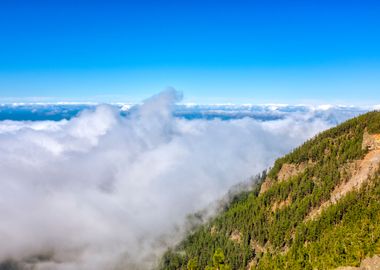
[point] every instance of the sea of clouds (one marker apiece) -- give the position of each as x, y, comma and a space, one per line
106, 191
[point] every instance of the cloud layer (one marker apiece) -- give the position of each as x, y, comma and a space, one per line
102, 191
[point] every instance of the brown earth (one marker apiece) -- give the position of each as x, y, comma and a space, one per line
367, 264
236, 236
371, 141
266, 185
281, 204
287, 171
359, 172
252, 263
257, 247
213, 231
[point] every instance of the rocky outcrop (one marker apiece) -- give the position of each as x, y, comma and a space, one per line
367, 264
371, 141
281, 204
364, 169
371, 263
236, 236
289, 170
266, 185
360, 171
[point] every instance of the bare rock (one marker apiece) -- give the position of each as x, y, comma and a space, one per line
371, 141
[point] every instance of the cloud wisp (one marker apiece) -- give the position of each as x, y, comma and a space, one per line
102, 191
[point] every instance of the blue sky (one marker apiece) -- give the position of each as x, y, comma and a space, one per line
213, 51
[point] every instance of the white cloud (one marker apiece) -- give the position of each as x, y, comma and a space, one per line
101, 191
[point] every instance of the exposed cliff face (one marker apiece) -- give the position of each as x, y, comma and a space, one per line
362, 172
266, 185
358, 171
371, 141
290, 170
287, 171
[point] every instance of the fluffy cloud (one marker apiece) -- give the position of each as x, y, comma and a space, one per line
101, 191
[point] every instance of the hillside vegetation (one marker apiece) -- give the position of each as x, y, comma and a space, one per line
306, 213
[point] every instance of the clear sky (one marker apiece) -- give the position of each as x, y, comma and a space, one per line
214, 51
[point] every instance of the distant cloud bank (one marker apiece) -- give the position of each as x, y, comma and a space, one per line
107, 190
264, 112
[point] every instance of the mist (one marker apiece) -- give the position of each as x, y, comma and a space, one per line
102, 191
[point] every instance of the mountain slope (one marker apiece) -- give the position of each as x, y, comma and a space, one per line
317, 208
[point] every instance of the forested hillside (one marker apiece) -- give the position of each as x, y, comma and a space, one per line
317, 208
